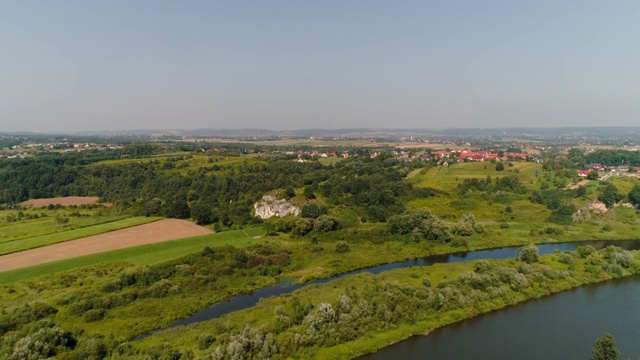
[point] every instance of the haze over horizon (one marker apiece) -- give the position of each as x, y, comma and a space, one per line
119, 65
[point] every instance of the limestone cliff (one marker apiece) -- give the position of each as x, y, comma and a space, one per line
270, 206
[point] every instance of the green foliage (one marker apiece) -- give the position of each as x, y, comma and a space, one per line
342, 247
43, 342
585, 250
289, 192
368, 309
562, 215
24, 315
634, 195
581, 191
467, 225
421, 224
510, 184
529, 254
499, 166
609, 195
325, 223
348, 218
310, 211
302, 226
205, 340
308, 192
605, 348
92, 348
201, 213
566, 259
614, 157
62, 221
94, 315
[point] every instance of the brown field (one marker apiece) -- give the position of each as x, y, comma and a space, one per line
159, 231
64, 201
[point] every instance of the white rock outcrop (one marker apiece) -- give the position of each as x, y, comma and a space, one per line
270, 206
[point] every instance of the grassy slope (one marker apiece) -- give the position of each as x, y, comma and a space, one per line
446, 178
527, 218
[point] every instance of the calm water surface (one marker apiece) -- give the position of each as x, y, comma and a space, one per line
562, 326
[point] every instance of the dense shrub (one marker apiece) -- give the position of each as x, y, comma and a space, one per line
529, 253
342, 247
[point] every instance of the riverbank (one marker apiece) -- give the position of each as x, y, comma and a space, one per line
363, 313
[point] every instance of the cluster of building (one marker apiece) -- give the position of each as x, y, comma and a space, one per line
599, 168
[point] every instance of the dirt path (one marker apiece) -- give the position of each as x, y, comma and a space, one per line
159, 231
575, 186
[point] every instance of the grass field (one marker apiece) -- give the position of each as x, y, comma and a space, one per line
329, 160
161, 157
45, 224
624, 184
141, 255
199, 161
448, 177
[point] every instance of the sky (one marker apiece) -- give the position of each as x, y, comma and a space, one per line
94, 65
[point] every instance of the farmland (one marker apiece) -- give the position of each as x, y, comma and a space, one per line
63, 201
355, 212
159, 231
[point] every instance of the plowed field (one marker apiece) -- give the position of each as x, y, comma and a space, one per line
159, 231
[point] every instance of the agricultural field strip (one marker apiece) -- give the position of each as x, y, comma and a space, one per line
139, 255
27, 243
64, 201
163, 230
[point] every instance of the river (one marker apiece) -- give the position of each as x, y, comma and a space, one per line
562, 326
245, 301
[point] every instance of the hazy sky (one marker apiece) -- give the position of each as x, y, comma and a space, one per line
129, 64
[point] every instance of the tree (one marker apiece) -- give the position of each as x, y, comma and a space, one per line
325, 223
610, 195
605, 348
634, 195
563, 214
467, 225
529, 253
581, 191
593, 175
201, 213
290, 192
308, 192
577, 157
499, 166
310, 211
